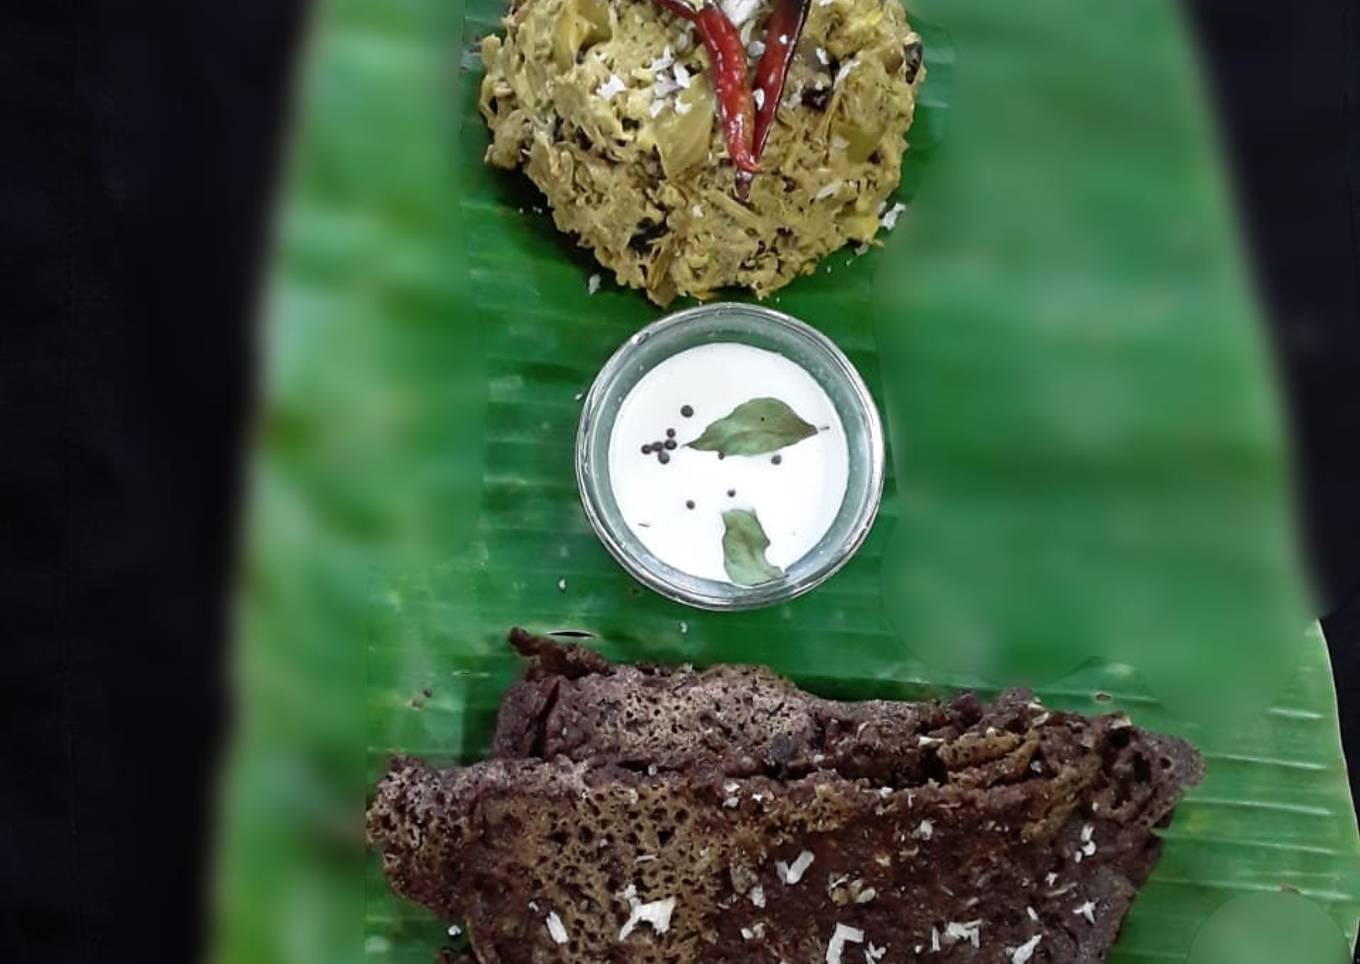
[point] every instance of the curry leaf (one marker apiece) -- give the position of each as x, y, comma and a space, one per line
754, 428
744, 544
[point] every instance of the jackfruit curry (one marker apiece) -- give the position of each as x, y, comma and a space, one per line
695, 147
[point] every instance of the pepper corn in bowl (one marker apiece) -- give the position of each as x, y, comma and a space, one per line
616, 112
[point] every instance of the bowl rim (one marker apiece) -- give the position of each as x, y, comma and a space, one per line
743, 597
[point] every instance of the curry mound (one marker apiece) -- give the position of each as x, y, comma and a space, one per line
608, 107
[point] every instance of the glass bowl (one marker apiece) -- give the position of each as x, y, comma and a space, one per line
761, 328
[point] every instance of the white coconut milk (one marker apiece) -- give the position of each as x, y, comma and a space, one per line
795, 497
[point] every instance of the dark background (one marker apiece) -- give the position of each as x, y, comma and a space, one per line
138, 160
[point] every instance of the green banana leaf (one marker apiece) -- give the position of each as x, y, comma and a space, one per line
430, 334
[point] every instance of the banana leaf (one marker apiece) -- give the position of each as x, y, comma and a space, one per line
1100, 511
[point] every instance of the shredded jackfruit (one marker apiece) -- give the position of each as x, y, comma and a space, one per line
607, 106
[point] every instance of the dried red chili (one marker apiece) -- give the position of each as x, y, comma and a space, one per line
727, 58
731, 84
679, 8
781, 37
